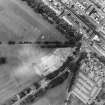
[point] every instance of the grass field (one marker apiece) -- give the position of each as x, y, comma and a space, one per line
18, 22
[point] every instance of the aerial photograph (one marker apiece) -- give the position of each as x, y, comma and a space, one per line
52, 52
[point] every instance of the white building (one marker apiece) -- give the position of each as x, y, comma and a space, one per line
85, 89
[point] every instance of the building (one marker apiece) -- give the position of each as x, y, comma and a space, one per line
85, 89
89, 80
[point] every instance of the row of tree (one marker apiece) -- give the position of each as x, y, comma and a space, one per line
32, 98
22, 94
72, 66
75, 67
61, 69
61, 25
56, 80
39, 7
